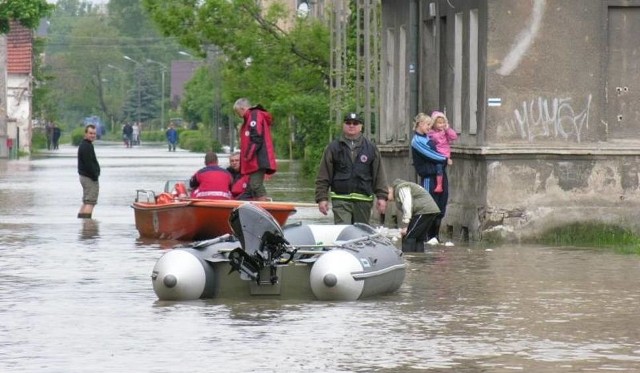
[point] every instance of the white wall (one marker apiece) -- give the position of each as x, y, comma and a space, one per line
19, 109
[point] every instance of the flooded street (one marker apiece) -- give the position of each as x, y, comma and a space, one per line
76, 295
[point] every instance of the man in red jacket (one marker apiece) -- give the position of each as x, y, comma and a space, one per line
257, 156
211, 181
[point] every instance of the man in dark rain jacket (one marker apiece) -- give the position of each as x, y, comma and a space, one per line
351, 167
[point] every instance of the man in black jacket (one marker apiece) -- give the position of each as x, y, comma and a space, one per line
89, 171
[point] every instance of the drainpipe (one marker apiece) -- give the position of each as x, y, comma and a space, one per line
4, 150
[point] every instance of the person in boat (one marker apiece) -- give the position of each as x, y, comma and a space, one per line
240, 182
427, 163
351, 174
257, 155
89, 171
417, 211
211, 181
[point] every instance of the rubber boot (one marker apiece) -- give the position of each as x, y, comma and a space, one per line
438, 188
419, 246
408, 245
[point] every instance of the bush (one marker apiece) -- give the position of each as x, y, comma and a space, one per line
153, 136
38, 139
197, 141
77, 135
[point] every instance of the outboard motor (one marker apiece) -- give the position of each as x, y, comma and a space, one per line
262, 240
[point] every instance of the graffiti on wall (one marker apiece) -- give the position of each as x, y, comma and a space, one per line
558, 118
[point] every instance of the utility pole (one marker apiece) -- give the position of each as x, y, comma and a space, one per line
164, 71
138, 71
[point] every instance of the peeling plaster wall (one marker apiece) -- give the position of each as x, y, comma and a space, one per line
19, 109
550, 156
525, 197
556, 131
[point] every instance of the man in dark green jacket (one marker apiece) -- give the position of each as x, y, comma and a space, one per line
351, 174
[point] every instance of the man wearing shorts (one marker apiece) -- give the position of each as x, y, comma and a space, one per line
89, 171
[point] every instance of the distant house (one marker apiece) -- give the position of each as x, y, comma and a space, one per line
19, 76
181, 73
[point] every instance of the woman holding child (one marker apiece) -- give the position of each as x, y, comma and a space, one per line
431, 167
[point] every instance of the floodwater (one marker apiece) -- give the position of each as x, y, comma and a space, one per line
76, 295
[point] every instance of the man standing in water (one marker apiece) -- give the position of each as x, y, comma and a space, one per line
89, 171
352, 176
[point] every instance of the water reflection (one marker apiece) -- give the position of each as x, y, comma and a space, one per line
76, 294
90, 229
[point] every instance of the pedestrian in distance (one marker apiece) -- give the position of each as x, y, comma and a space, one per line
417, 211
351, 176
56, 136
135, 134
127, 135
211, 181
257, 155
89, 171
172, 137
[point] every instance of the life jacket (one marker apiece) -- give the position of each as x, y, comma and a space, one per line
164, 198
180, 190
239, 187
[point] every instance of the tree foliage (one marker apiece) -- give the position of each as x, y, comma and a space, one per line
27, 12
270, 57
85, 52
142, 98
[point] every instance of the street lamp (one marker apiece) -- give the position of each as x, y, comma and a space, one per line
121, 86
164, 70
132, 60
138, 64
186, 54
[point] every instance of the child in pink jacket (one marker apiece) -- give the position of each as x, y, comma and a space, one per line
442, 135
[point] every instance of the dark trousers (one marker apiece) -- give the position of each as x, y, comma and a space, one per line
417, 230
441, 199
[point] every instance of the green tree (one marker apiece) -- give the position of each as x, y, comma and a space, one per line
285, 70
142, 99
90, 76
27, 12
198, 97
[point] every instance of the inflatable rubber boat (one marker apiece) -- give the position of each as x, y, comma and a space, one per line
325, 262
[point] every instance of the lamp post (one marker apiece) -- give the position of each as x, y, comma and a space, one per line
138, 64
186, 54
164, 70
121, 86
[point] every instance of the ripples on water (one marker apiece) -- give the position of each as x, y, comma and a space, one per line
76, 296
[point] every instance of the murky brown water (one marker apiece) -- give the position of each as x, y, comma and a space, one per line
76, 296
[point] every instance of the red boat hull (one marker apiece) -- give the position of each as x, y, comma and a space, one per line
196, 219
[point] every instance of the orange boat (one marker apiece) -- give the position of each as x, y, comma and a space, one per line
190, 219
